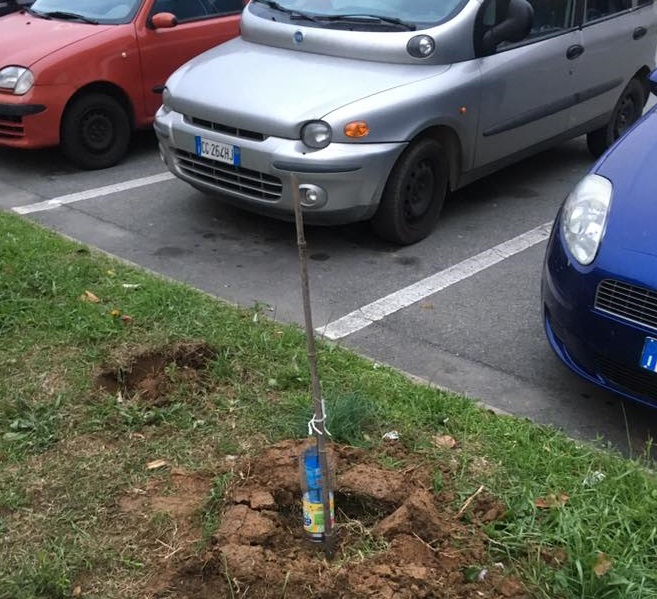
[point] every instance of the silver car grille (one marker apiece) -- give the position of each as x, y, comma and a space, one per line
229, 178
629, 302
226, 129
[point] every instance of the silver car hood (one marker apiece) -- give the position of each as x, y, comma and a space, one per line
273, 91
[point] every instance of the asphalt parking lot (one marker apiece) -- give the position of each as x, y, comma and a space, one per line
460, 309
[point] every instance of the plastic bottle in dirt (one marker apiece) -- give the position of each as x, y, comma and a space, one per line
311, 484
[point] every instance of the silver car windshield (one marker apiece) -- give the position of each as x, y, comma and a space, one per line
415, 13
87, 11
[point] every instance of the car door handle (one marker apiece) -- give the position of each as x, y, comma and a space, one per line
574, 51
639, 32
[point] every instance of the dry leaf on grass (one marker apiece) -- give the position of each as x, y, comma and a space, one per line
87, 296
444, 441
602, 565
551, 501
156, 464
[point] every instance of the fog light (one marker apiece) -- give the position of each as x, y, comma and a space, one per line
312, 196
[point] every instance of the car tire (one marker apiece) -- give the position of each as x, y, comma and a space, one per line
95, 131
414, 194
627, 111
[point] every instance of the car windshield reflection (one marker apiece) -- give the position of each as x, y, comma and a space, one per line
418, 13
105, 12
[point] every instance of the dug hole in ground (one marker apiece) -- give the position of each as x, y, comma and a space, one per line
395, 536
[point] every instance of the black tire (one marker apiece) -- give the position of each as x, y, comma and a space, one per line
95, 131
414, 194
627, 111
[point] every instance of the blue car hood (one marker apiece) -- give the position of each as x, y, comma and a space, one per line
631, 165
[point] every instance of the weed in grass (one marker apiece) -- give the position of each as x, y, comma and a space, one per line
366, 544
390, 461
229, 581
352, 417
13, 495
210, 513
28, 425
45, 575
437, 482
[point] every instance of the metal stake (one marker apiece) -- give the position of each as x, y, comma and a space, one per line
319, 428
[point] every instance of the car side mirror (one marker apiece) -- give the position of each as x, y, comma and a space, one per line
514, 28
652, 82
164, 20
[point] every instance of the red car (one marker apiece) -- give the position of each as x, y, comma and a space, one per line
93, 70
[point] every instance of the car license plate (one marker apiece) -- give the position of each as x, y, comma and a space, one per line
215, 150
649, 354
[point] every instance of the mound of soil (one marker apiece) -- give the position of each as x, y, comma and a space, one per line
394, 537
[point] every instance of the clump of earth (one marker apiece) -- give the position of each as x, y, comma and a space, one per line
394, 535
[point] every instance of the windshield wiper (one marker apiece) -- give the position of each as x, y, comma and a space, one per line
365, 18
59, 14
36, 13
294, 14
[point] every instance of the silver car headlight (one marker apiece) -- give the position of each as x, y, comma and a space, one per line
421, 46
18, 80
166, 100
584, 217
316, 134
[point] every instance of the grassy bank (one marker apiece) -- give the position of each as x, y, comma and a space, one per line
80, 431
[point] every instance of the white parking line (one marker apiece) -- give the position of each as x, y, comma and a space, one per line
379, 309
91, 194
370, 313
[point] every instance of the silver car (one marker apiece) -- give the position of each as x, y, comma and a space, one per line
380, 107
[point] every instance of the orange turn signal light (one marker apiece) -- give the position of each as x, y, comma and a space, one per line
356, 129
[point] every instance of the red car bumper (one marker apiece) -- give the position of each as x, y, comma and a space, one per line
32, 120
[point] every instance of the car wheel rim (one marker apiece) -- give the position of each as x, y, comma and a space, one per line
97, 131
419, 191
626, 116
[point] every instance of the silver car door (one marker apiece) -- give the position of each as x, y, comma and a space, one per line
527, 87
618, 39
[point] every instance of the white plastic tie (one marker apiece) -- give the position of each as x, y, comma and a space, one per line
312, 426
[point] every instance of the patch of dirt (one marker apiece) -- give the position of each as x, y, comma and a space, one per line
151, 376
394, 537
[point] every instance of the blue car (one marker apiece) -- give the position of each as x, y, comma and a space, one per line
599, 280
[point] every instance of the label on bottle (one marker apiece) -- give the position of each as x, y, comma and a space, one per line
313, 516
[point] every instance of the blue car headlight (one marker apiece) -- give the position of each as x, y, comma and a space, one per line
584, 217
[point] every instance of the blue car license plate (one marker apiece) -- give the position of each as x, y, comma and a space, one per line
649, 354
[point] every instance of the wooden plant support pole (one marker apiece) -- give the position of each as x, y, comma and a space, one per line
319, 421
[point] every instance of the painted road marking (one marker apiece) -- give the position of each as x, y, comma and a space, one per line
91, 194
366, 315
379, 309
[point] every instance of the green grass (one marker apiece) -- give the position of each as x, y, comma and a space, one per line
69, 450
